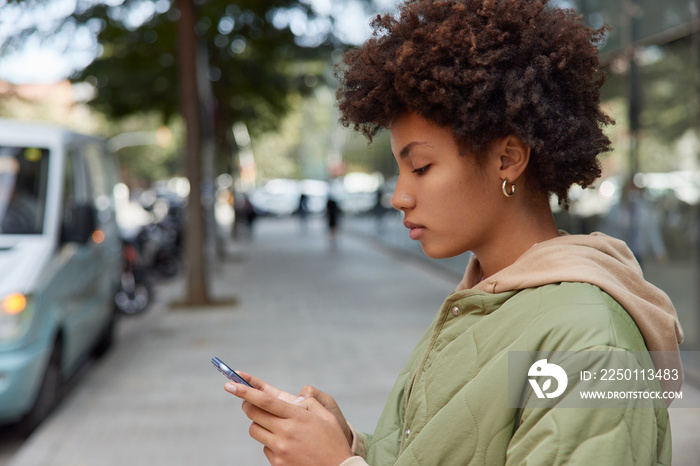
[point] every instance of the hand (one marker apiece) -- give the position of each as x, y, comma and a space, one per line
329, 403
294, 430
307, 392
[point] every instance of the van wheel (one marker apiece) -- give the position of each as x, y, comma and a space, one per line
47, 398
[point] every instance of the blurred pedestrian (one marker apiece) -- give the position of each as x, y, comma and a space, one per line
244, 215
634, 220
378, 209
332, 215
302, 211
493, 106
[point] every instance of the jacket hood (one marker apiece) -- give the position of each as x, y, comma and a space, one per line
602, 261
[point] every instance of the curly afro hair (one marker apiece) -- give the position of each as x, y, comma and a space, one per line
487, 69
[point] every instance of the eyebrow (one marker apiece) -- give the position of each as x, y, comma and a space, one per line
410, 146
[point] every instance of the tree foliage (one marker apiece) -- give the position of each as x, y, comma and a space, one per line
252, 60
668, 74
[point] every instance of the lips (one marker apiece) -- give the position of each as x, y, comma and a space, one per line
416, 231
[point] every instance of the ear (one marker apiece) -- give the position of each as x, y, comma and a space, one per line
514, 155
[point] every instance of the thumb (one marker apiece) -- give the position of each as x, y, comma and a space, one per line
316, 408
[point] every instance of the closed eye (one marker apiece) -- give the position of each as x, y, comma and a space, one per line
421, 170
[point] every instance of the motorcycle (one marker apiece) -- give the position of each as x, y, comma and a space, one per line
136, 290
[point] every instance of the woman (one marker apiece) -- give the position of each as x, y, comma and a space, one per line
493, 106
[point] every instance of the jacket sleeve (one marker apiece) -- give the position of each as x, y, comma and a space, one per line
626, 432
584, 436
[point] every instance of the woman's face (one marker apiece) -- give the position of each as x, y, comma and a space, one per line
450, 205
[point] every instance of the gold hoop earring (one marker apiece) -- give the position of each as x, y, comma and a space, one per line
505, 188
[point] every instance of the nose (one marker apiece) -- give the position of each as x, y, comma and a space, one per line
402, 199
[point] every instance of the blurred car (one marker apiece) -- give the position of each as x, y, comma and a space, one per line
279, 196
357, 193
60, 263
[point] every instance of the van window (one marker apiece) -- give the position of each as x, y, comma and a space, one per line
102, 175
23, 180
77, 192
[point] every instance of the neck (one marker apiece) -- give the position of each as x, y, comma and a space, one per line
523, 224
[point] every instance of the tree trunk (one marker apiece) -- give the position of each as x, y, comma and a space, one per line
196, 267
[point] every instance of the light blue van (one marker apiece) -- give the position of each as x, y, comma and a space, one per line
60, 263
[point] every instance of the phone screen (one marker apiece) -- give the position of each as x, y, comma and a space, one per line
228, 372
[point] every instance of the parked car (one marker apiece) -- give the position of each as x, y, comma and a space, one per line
60, 263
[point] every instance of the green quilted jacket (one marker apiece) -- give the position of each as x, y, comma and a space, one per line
450, 404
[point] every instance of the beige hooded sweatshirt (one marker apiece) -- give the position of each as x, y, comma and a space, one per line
602, 261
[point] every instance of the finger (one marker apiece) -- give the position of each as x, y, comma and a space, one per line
313, 392
309, 391
261, 399
261, 435
269, 455
266, 387
262, 418
254, 381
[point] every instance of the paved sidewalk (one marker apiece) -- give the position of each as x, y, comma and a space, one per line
343, 319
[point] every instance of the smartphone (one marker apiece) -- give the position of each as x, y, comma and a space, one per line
228, 372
